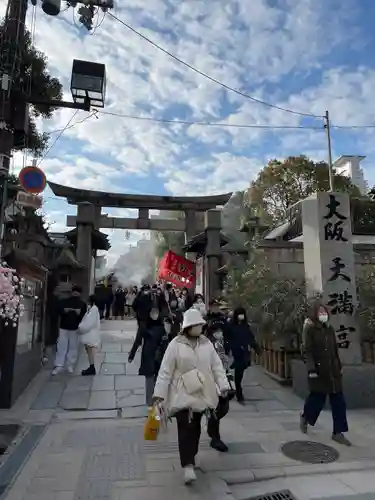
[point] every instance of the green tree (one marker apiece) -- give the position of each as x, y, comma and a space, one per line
34, 79
169, 240
280, 184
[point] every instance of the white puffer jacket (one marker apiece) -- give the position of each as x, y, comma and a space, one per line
180, 358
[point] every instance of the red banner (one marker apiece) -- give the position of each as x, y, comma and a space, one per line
177, 270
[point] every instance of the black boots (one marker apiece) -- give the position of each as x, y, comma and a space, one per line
89, 371
218, 445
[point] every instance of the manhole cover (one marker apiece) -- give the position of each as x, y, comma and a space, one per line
278, 495
310, 452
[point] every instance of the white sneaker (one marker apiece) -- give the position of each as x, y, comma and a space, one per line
189, 475
57, 370
70, 369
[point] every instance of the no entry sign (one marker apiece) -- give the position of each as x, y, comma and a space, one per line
32, 179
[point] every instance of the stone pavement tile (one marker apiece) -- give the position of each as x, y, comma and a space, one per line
93, 489
38, 416
125, 347
135, 412
111, 347
160, 465
82, 415
256, 393
124, 394
139, 392
361, 496
123, 382
75, 400
317, 487
249, 408
167, 478
132, 368
271, 405
52, 484
197, 491
112, 369
244, 447
49, 396
103, 383
102, 400
359, 482
126, 401
79, 384
264, 424
116, 357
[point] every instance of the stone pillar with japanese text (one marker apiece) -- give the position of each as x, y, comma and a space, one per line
329, 266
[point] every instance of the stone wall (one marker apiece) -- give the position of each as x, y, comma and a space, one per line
286, 258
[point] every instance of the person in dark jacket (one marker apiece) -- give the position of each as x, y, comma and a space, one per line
119, 303
216, 329
152, 337
175, 316
71, 311
241, 340
108, 302
324, 371
142, 305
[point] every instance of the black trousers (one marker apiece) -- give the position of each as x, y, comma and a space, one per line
213, 424
315, 403
238, 377
189, 433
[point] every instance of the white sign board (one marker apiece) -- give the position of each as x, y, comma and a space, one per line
29, 200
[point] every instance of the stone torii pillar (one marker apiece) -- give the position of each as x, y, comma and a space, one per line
86, 222
213, 252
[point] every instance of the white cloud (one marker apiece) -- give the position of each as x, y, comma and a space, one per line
285, 52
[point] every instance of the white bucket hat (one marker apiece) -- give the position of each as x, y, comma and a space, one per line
192, 317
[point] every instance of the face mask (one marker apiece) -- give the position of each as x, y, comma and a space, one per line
173, 303
323, 318
199, 301
218, 335
241, 317
195, 331
147, 292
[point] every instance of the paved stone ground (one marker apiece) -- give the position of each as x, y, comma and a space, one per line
93, 445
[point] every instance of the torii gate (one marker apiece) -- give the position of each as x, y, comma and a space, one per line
89, 217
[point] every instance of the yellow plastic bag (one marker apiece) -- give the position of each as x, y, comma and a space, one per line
152, 425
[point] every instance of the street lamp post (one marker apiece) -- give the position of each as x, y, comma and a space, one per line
88, 79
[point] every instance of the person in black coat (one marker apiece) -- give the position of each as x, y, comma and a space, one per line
119, 303
142, 305
240, 340
152, 337
216, 329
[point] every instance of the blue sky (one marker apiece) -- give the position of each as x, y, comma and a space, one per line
306, 55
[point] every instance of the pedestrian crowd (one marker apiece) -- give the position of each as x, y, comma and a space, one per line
194, 358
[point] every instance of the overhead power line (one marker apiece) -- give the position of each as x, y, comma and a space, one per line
208, 77
57, 138
78, 122
97, 112
206, 124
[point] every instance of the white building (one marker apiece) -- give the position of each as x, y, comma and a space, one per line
349, 166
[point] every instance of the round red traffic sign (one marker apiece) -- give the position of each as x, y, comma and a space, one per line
32, 179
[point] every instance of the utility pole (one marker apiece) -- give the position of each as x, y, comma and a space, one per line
11, 47
327, 126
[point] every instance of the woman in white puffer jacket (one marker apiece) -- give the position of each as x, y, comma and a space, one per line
190, 380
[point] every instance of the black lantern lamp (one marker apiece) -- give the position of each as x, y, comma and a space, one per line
88, 84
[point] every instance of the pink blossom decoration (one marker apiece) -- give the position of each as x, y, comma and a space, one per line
11, 307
